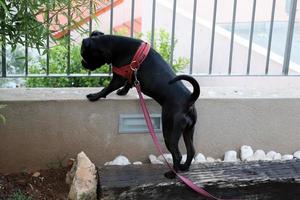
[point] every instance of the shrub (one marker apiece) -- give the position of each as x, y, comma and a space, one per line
58, 64
162, 44
19, 196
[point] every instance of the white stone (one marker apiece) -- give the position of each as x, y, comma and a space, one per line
210, 159
287, 157
119, 160
297, 154
184, 157
168, 157
84, 181
36, 174
108, 163
137, 163
153, 159
258, 155
230, 156
246, 152
200, 158
277, 156
272, 155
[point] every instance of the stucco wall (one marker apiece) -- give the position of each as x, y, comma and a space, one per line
46, 126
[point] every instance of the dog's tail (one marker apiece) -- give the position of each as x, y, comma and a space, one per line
196, 91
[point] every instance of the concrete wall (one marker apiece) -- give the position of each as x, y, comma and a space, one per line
46, 126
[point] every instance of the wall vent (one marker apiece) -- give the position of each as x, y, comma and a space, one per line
135, 123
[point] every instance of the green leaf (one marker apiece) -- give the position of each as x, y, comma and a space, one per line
2, 4
3, 119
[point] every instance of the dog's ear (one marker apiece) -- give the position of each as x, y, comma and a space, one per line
96, 33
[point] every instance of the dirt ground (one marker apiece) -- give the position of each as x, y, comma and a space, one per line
49, 184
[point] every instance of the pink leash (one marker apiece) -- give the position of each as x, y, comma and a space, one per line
187, 181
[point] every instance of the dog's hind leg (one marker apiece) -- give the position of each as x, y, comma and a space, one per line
179, 124
190, 149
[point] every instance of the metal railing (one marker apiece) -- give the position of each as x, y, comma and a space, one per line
191, 67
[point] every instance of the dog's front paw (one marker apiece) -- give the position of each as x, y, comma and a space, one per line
93, 97
122, 92
170, 175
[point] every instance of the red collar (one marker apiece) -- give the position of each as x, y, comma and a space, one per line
126, 71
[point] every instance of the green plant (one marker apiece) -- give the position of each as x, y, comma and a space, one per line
19, 196
2, 118
58, 65
25, 21
162, 44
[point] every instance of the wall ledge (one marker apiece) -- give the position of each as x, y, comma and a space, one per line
57, 94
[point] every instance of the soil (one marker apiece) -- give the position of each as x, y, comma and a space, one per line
49, 184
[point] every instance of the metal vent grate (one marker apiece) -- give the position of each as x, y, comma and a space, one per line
135, 123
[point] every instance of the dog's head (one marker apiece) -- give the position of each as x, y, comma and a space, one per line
94, 52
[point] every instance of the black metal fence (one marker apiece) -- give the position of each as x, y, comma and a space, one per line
292, 11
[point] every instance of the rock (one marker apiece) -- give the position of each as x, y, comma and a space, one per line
246, 152
277, 156
258, 155
108, 163
153, 159
137, 163
71, 173
297, 154
184, 156
36, 174
84, 181
168, 156
200, 158
272, 155
210, 159
70, 163
287, 157
119, 160
230, 156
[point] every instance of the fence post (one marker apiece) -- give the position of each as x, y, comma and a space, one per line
270, 37
289, 38
3, 53
173, 32
213, 32
251, 37
193, 36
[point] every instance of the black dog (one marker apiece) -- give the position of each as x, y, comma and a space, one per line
157, 80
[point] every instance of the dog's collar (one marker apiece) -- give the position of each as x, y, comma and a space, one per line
126, 71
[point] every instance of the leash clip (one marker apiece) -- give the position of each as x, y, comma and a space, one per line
136, 81
133, 65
